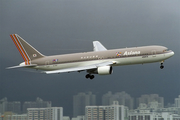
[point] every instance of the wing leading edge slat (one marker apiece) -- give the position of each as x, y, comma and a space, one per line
89, 67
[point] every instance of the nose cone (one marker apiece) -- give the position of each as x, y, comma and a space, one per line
171, 53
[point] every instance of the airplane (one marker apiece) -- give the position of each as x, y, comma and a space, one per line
100, 61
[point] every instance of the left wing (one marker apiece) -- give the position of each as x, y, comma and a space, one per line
89, 67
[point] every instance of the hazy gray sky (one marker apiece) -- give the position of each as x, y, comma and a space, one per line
66, 26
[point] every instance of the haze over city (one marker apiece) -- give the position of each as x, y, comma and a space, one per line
70, 26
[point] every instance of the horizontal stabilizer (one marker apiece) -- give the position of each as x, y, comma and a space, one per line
21, 66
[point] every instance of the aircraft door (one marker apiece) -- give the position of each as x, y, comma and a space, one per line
47, 63
154, 53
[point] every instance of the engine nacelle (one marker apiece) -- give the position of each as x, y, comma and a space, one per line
105, 70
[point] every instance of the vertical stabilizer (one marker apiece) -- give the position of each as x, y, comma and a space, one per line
27, 52
98, 46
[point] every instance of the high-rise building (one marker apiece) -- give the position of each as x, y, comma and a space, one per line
122, 97
39, 103
177, 102
51, 113
66, 118
150, 98
111, 112
17, 117
3, 105
106, 98
14, 106
153, 112
153, 116
80, 101
79, 118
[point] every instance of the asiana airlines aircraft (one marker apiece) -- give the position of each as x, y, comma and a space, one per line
100, 61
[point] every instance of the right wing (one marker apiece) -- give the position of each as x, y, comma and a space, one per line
88, 67
98, 46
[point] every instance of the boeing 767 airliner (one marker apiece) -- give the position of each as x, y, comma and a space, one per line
100, 61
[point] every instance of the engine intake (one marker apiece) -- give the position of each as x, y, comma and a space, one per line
105, 70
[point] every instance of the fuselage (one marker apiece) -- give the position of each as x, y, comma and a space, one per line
124, 56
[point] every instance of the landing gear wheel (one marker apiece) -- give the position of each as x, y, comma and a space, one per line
89, 76
162, 66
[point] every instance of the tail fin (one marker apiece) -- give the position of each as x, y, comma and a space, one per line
98, 46
27, 52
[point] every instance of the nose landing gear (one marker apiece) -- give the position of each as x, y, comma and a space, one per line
89, 76
162, 66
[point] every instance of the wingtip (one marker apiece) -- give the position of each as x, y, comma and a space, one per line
96, 41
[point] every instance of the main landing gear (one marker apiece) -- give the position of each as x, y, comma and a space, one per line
162, 66
89, 76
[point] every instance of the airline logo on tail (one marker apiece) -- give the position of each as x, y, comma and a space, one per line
34, 55
21, 49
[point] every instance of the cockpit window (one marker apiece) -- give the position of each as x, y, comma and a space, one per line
165, 50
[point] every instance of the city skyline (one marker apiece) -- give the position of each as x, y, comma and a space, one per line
100, 100
86, 99
115, 111
101, 95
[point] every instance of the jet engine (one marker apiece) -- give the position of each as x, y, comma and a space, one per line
105, 70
